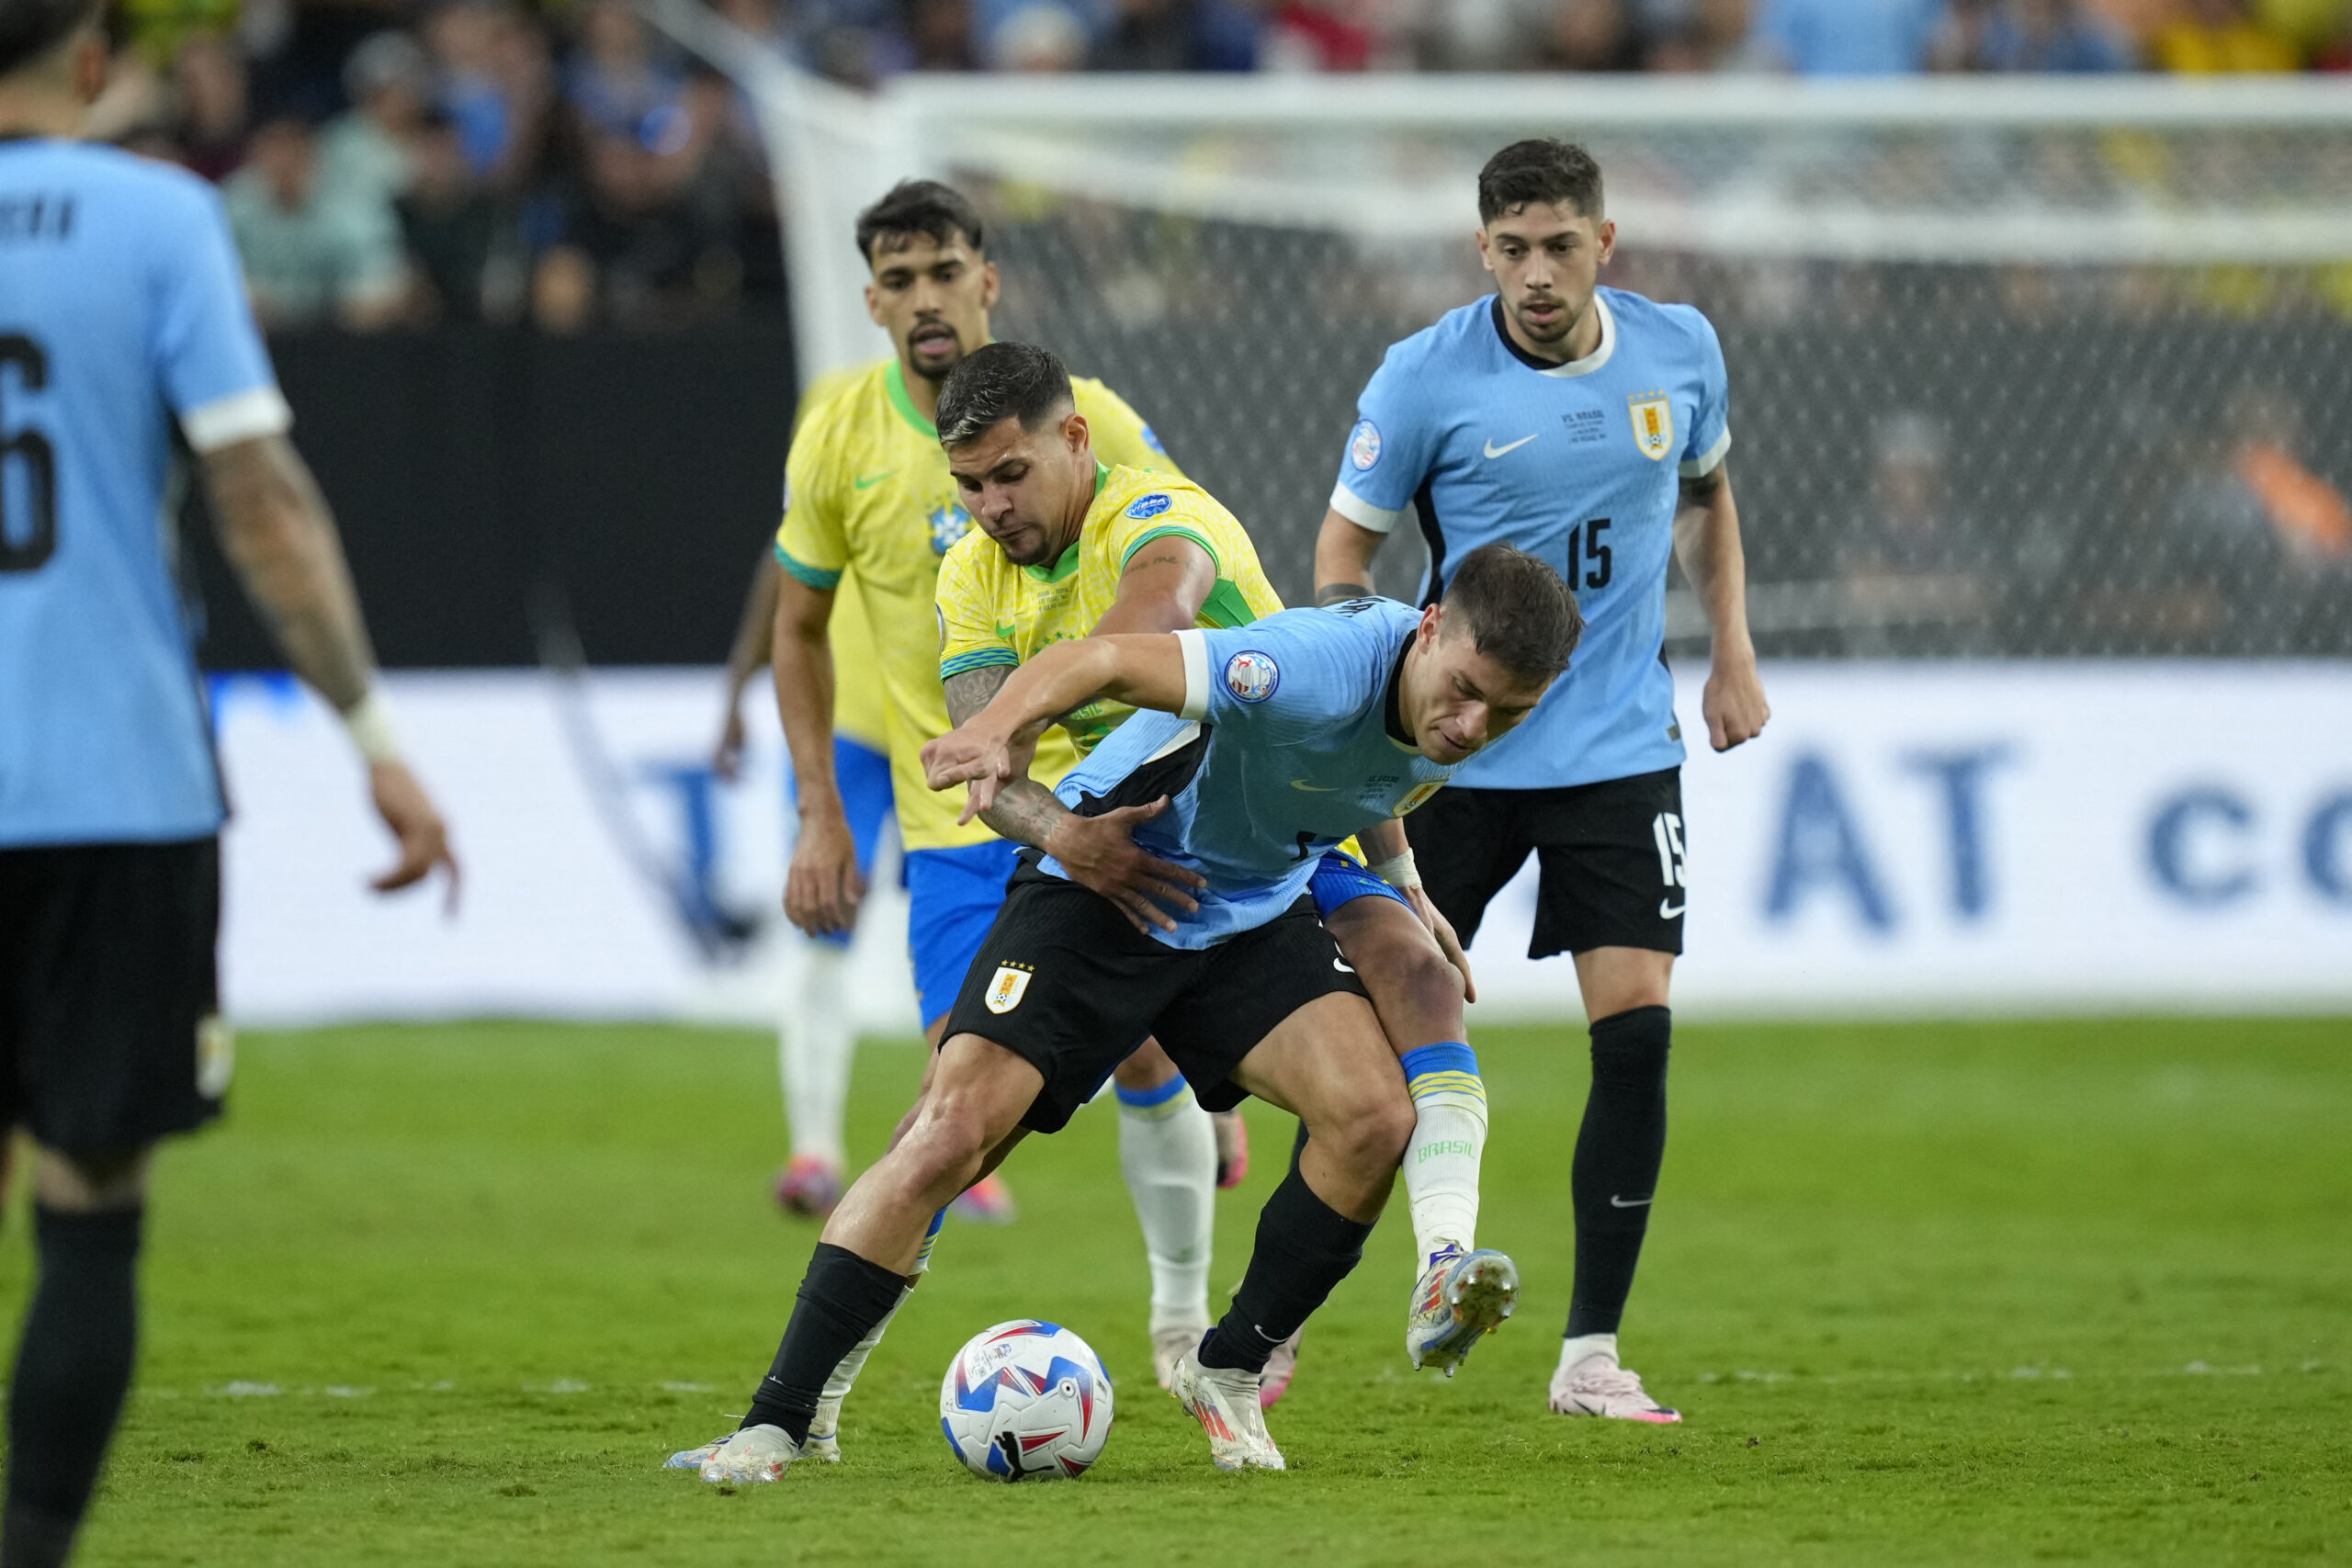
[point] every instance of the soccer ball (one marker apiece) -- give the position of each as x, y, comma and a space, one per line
1026, 1401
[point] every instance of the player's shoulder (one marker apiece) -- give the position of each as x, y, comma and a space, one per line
1093, 395
1135, 498
1442, 344
137, 192
1654, 323
829, 385
833, 413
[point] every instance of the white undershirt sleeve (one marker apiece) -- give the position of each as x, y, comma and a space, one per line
241, 416
1195, 644
1707, 462
1362, 512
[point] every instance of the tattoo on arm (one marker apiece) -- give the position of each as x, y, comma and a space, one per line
968, 691
277, 532
1026, 811
1341, 593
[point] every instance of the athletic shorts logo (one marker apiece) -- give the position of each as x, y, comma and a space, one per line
1418, 797
1653, 423
1252, 677
1149, 506
1364, 444
948, 524
1011, 983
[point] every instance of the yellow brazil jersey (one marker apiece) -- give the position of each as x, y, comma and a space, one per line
858, 705
867, 493
992, 612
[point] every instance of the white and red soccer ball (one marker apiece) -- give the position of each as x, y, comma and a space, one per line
1026, 1401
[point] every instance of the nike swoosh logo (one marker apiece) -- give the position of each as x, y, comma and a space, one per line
1341, 965
1312, 789
867, 481
1617, 1202
1494, 451
1667, 911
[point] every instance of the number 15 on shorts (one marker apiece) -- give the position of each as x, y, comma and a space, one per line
1667, 828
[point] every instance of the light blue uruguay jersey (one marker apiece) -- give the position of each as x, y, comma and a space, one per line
121, 307
1578, 463
1286, 746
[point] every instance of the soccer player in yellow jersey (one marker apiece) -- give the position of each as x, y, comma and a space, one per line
869, 505
816, 1030
1067, 546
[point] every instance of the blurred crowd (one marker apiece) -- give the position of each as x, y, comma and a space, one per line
391, 161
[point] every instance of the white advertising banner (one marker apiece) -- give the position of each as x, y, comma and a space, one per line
1908, 839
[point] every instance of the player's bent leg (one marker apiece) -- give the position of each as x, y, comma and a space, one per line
1328, 1064
1620, 1148
1168, 1155
1419, 994
73, 1362
966, 1121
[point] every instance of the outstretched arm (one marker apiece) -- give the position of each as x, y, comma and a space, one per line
1706, 541
1144, 671
279, 538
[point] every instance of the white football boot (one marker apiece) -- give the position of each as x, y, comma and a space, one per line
1593, 1383
746, 1455
1463, 1297
1223, 1400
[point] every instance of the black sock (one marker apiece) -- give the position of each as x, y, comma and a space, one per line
1304, 1248
1619, 1150
73, 1369
841, 1298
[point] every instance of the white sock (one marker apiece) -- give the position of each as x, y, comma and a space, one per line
1168, 1153
815, 1039
827, 1422
1449, 1138
1578, 1347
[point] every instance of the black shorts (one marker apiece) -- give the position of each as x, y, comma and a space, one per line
1611, 855
1066, 985
109, 993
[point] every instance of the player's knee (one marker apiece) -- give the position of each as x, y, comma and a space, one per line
1148, 1067
1368, 1133
945, 1145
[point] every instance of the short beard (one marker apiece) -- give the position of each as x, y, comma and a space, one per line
1566, 324
939, 376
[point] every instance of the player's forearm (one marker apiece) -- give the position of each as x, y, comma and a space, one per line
1343, 552
278, 535
1382, 842
804, 692
1707, 543
1027, 812
755, 635
1143, 671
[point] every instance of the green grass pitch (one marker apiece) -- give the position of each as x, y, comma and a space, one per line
1979, 1293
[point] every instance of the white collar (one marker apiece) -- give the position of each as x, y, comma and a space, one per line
1600, 355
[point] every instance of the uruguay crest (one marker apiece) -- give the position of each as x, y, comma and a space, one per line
948, 524
1653, 423
1011, 983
